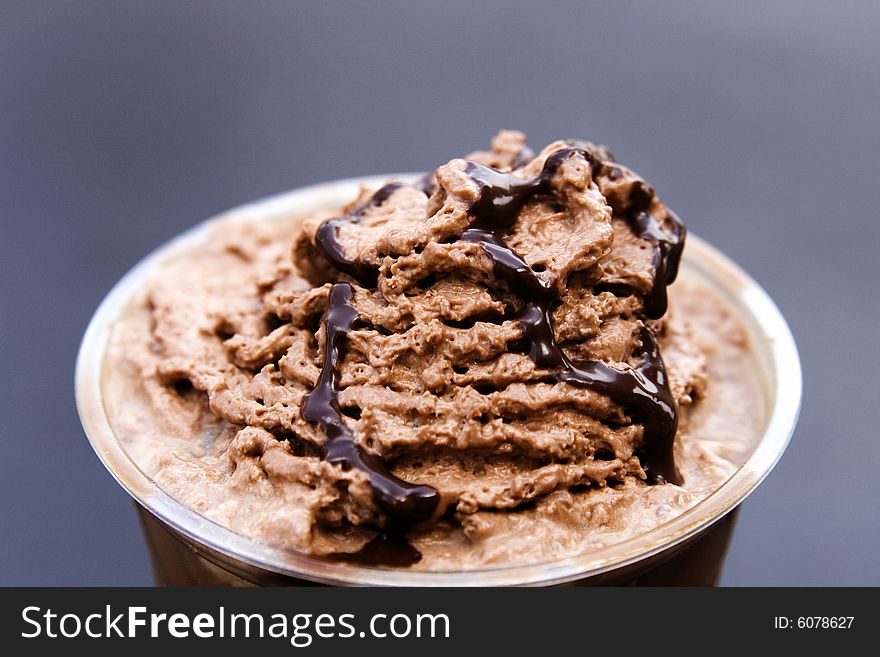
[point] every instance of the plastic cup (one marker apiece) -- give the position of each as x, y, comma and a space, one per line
188, 549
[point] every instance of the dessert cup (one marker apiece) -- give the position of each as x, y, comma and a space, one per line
188, 549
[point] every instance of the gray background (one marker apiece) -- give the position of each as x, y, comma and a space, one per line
123, 123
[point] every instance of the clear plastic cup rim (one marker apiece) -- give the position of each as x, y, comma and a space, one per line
769, 336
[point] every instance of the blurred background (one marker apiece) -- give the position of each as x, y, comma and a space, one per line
123, 123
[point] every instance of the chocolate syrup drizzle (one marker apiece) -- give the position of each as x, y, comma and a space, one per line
402, 501
668, 244
330, 248
642, 391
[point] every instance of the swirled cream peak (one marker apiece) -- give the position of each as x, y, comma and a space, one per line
485, 348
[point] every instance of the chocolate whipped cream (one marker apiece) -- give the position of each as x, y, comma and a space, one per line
481, 367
